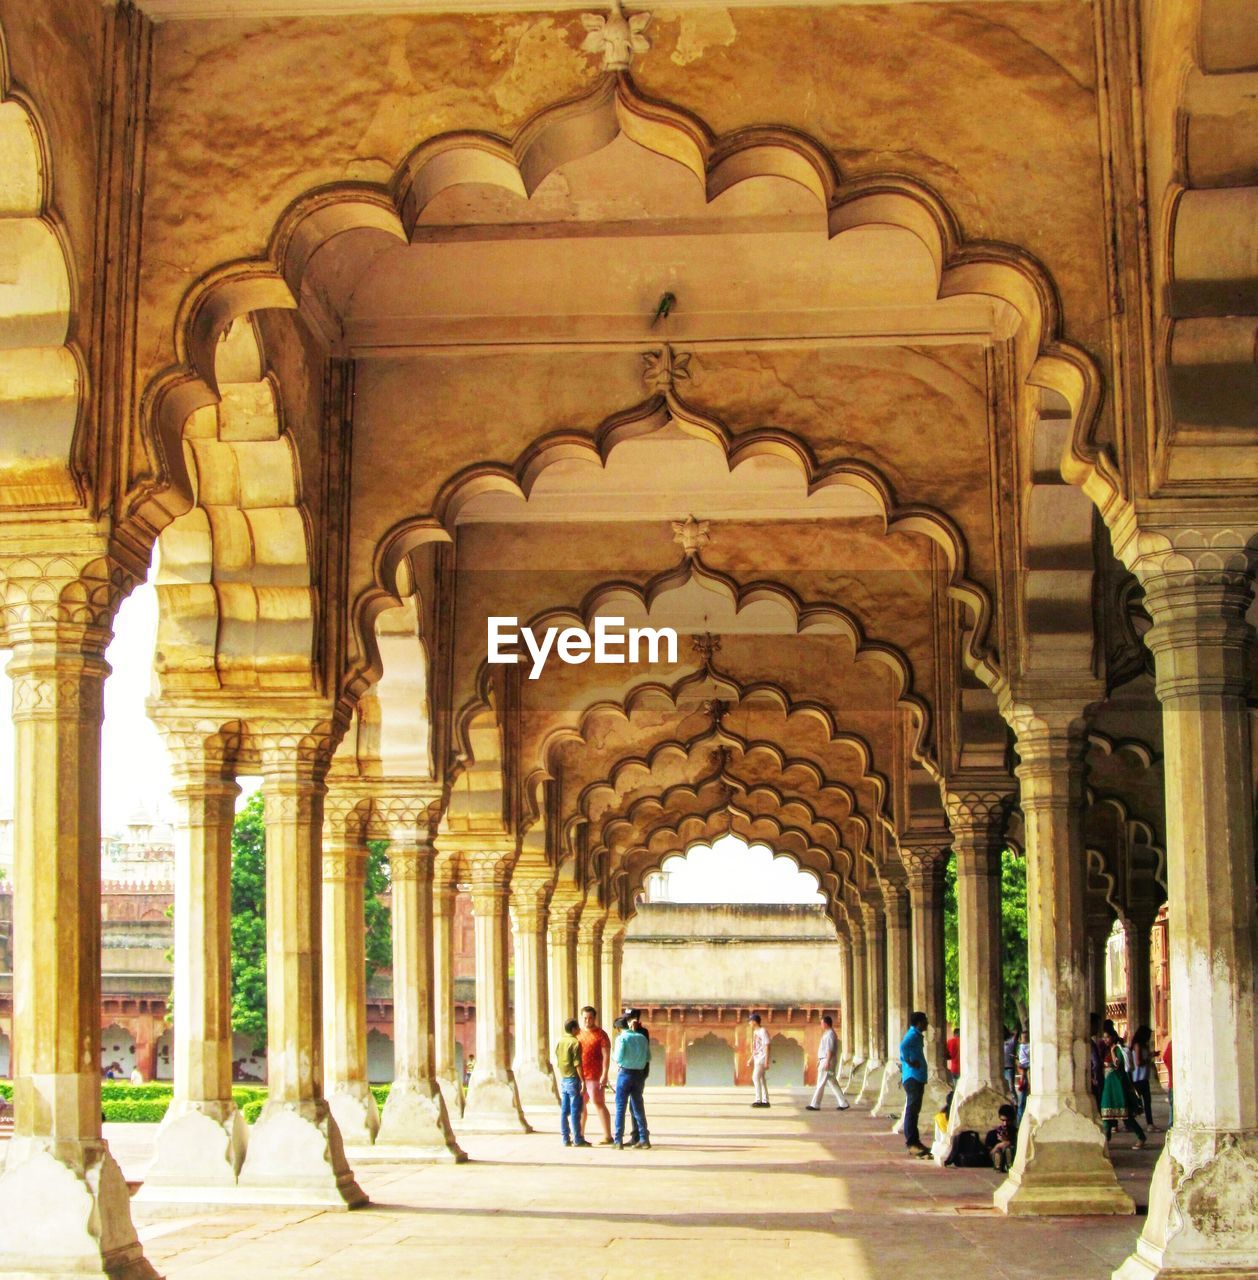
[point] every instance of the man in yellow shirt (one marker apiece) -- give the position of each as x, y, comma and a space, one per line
568, 1064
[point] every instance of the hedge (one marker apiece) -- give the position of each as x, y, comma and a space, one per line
134, 1110
252, 1110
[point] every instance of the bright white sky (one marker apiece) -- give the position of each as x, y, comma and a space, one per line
135, 774
730, 870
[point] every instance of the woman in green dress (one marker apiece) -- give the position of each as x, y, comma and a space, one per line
1115, 1092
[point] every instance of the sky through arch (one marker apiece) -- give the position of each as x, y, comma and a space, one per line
731, 870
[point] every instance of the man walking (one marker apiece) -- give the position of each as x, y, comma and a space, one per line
913, 1077
759, 1061
828, 1067
632, 1054
596, 1062
568, 1062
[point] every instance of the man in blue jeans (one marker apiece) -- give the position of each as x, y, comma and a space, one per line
568, 1061
632, 1054
913, 1078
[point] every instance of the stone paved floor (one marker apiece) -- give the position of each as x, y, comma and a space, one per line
768, 1193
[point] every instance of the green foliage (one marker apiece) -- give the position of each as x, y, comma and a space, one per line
1013, 941
381, 1094
134, 1110
248, 879
252, 1110
379, 921
1013, 937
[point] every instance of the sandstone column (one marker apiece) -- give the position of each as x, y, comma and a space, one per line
1203, 1202
847, 1037
1061, 1166
860, 996
414, 1125
535, 1081
1098, 924
613, 960
202, 1139
64, 1205
345, 1086
590, 957
493, 1105
295, 1153
875, 1003
1136, 940
561, 949
925, 864
977, 819
445, 892
895, 897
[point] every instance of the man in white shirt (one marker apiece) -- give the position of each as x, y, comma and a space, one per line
827, 1067
759, 1061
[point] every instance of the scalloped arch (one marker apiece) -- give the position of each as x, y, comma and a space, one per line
42, 374
568, 130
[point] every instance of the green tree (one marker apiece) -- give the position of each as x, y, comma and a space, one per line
379, 916
249, 922
248, 882
1012, 936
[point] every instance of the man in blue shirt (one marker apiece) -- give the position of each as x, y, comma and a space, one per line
632, 1055
913, 1077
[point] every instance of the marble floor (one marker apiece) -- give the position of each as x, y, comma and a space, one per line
725, 1190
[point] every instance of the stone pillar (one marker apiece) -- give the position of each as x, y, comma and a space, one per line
1203, 1201
860, 996
445, 892
1061, 1166
64, 1205
345, 1085
1136, 930
493, 1104
202, 1139
590, 957
875, 1002
561, 948
414, 1125
613, 960
925, 865
895, 898
534, 1079
1098, 924
977, 819
295, 1152
847, 1035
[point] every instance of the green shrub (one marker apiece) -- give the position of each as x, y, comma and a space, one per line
381, 1094
252, 1110
124, 1090
244, 1093
6, 1090
134, 1110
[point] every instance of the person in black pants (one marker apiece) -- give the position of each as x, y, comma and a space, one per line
913, 1078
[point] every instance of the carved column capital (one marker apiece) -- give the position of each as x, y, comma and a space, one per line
895, 901
201, 749
296, 750
65, 597
530, 895
344, 865
874, 920
977, 818
925, 860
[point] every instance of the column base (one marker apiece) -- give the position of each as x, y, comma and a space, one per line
452, 1094
296, 1156
493, 1106
890, 1093
199, 1144
871, 1082
415, 1126
65, 1211
535, 1087
978, 1110
1061, 1170
854, 1066
353, 1107
1203, 1210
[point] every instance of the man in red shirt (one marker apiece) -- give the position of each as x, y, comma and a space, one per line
952, 1047
596, 1061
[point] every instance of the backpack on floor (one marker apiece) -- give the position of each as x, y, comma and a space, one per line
969, 1151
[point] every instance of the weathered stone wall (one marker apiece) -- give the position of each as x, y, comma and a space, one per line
678, 953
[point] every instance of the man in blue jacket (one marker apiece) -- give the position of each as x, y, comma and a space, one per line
632, 1054
913, 1078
